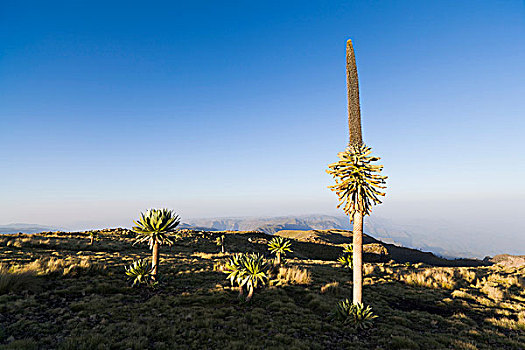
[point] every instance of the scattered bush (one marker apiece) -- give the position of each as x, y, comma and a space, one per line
493, 291
93, 236
369, 269
16, 277
54, 266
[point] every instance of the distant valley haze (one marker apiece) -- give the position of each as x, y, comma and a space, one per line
448, 228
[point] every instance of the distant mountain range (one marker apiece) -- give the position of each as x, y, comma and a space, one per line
272, 224
25, 228
446, 239
450, 240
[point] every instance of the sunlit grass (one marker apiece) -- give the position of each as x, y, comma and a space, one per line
57, 291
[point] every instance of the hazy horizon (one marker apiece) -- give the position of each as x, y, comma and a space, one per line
461, 228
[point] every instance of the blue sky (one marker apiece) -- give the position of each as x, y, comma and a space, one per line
235, 108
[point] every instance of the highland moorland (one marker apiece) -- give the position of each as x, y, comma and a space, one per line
59, 291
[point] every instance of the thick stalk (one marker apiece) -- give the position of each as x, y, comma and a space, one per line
155, 259
278, 259
357, 240
250, 294
354, 109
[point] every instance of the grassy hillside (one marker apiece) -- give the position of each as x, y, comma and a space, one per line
58, 291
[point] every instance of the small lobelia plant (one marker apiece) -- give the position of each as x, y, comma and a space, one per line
346, 260
220, 242
247, 271
93, 236
279, 246
234, 269
255, 272
156, 227
348, 249
359, 315
139, 271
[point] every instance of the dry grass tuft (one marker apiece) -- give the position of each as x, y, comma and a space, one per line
493, 291
54, 266
16, 281
458, 344
444, 278
293, 275
331, 288
508, 323
369, 269
209, 255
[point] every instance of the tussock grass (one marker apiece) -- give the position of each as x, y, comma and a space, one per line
331, 288
52, 266
293, 275
16, 281
443, 278
370, 269
493, 291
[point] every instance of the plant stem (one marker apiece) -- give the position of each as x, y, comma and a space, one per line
357, 261
155, 259
250, 294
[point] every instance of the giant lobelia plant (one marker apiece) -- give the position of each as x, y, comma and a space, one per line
358, 181
156, 227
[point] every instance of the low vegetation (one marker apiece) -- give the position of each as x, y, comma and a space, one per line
139, 271
57, 291
359, 316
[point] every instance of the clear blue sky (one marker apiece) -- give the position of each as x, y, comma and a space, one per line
235, 108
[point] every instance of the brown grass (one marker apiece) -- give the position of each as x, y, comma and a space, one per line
444, 278
16, 281
293, 275
331, 288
